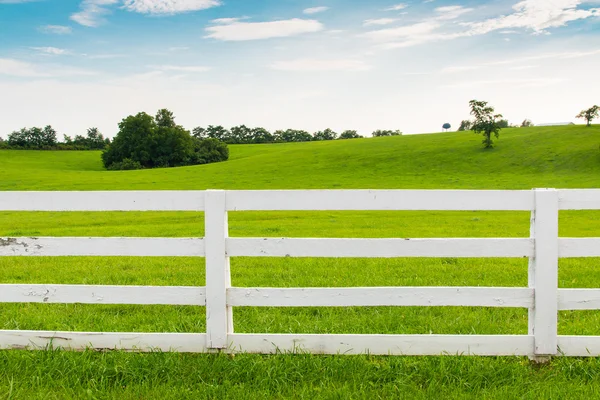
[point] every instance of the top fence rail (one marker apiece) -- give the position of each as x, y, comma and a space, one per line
296, 200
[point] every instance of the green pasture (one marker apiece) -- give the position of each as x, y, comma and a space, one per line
562, 157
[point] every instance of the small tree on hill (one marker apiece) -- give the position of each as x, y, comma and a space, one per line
349, 134
486, 122
526, 123
589, 115
465, 125
381, 133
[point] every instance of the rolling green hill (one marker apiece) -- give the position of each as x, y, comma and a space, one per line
565, 157
562, 157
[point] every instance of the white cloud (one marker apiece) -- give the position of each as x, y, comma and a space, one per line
22, 69
315, 10
397, 7
51, 51
56, 29
403, 32
19, 69
513, 83
451, 12
168, 6
315, 65
92, 12
466, 68
182, 68
226, 21
240, 31
536, 15
379, 21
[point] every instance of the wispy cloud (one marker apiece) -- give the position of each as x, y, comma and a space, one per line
242, 31
397, 7
56, 29
533, 15
379, 21
51, 51
92, 12
182, 68
451, 12
317, 65
515, 83
315, 10
168, 6
22, 69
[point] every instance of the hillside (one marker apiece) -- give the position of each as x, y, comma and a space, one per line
565, 157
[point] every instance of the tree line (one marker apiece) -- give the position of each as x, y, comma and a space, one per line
243, 134
46, 139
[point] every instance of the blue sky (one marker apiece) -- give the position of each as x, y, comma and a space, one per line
306, 64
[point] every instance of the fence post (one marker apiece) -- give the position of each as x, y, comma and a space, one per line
219, 317
543, 274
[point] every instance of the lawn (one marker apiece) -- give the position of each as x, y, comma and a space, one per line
562, 157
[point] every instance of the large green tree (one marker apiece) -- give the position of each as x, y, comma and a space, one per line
158, 142
486, 123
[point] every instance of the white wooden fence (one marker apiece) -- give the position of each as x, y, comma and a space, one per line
542, 296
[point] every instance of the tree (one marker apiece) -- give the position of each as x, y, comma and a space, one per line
486, 122
381, 133
165, 118
33, 138
446, 126
503, 123
465, 125
217, 132
327, 134
589, 115
526, 123
157, 142
199, 133
350, 135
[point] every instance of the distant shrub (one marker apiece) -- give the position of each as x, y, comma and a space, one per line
33, 138
465, 125
158, 142
380, 133
125, 165
350, 135
526, 123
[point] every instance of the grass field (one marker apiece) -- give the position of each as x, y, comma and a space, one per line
562, 157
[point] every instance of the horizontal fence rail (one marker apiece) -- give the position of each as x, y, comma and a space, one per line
542, 297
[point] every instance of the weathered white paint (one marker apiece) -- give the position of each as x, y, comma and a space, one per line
40, 340
98, 294
579, 247
443, 200
101, 246
164, 200
579, 346
489, 345
579, 299
545, 271
379, 248
219, 316
542, 297
381, 296
579, 199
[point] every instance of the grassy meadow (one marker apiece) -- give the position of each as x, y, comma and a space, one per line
561, 157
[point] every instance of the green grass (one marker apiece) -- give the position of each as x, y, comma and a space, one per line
564, 157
